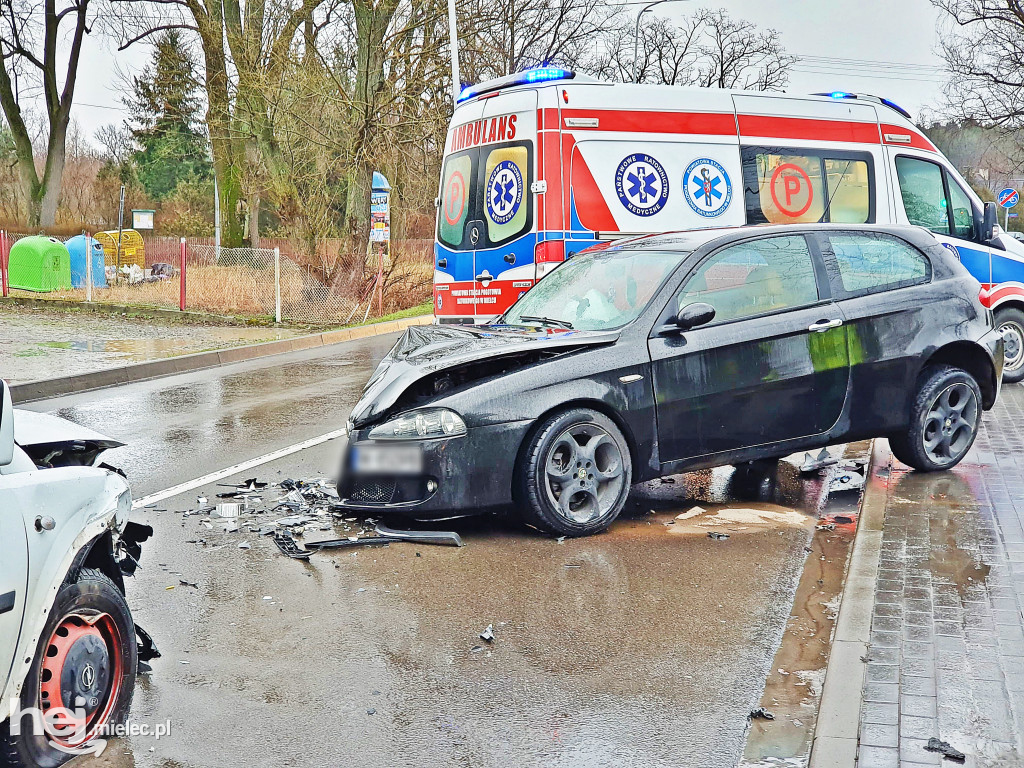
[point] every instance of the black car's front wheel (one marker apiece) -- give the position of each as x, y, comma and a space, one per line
944, 420
574, 474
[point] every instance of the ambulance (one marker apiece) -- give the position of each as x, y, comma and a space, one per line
543, 164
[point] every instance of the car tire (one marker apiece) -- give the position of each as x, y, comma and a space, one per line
944, 420
89, 625
1010, 322
582, 453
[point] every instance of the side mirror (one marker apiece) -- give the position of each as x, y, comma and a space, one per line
988, 226
6, 425
692, 315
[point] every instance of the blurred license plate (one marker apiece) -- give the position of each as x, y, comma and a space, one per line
387, 459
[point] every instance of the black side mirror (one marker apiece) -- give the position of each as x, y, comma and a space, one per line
988, 225
692, 315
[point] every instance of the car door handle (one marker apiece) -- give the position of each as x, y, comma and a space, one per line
823, 325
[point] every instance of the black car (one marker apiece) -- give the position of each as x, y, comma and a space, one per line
676, 352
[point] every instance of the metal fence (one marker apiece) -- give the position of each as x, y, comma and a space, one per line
250, 282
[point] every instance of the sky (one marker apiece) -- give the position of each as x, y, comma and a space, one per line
887, 48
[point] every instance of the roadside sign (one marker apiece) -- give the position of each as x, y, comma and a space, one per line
1008, 197
1013, 215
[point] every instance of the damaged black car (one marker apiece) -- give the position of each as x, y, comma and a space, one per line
677, 352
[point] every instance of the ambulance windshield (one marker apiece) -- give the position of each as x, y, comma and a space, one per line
595, 291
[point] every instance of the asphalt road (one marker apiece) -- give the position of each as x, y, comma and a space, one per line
646, 646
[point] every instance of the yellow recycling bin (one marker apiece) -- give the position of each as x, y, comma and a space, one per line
133, 248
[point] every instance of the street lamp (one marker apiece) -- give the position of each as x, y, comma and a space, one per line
636, 36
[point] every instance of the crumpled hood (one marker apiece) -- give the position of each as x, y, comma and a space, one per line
55, 442
427, 349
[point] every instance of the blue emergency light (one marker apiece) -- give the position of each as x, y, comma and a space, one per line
528, 77
866, 97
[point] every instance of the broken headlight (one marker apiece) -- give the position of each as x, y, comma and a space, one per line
421, 425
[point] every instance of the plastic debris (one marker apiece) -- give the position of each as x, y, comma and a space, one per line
488, 634
814, 463
761, 714
946, 749
244, 545
228, 509
718, 535
289, 547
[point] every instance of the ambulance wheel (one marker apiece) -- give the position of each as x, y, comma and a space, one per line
1010, 322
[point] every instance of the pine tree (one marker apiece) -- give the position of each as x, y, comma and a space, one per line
166, 110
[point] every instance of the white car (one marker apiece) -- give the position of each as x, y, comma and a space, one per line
68, 648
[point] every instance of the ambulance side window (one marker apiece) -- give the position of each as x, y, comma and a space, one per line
783, 185
933, 199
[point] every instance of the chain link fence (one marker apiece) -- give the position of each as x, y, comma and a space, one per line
249, 282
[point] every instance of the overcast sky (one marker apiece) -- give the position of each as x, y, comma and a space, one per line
866, 34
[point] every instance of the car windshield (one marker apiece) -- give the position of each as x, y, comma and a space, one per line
595, 291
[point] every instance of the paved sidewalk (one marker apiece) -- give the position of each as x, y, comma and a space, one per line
946, 657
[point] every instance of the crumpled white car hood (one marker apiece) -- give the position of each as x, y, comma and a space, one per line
31, 428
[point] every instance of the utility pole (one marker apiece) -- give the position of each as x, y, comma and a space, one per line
636, 36
453, 41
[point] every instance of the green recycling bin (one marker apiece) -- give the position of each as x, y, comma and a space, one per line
40, 264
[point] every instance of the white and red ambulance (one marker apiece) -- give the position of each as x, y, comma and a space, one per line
542, 164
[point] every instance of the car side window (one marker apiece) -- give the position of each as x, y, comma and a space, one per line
933, 199
754, 278
869, 262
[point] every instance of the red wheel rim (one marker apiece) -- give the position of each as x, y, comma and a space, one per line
83, 656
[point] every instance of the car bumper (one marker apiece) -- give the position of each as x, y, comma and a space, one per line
460, 475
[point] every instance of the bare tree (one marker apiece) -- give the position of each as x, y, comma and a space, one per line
709, 49
24, 64
984, 51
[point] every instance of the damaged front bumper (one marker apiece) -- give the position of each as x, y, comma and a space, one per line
452, 476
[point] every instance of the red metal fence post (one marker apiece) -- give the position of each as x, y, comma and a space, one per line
3, 263
181, 301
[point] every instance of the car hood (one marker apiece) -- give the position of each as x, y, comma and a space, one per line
53, 441
425, 350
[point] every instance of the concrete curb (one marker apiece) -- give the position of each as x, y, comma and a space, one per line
837, 728
112, 377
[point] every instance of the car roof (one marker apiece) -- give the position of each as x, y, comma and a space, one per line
690, 240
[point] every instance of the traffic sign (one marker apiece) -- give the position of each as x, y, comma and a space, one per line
1008, 197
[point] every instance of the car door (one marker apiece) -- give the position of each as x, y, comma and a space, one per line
872, 278
771, 366
13, 576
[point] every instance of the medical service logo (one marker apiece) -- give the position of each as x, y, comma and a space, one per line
641, 184
504, 192
707, 188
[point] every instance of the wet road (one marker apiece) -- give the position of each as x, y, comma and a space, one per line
646, 646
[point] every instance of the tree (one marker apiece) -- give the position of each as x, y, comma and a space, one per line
709, 49
24, 64
166, 109
984, 52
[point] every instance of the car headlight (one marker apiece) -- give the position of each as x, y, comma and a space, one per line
425, 424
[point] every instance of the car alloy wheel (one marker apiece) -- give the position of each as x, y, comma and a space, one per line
950, 424
584, 473
80, 675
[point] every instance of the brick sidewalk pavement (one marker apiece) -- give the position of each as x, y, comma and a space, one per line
946, 656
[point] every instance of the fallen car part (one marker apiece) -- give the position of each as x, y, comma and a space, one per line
443, 538
367, 541
289, 547
147, 649
761, 714
488, 634
131, 544
718, 536
946, 749
822, 460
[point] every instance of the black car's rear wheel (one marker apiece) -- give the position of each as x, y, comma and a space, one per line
1010, 323
575, 473
944, 420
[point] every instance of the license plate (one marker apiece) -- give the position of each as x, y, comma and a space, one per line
387, 459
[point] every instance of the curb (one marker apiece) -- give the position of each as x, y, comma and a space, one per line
837, 728
112, 377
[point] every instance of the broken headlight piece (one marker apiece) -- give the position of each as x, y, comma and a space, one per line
425, 424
